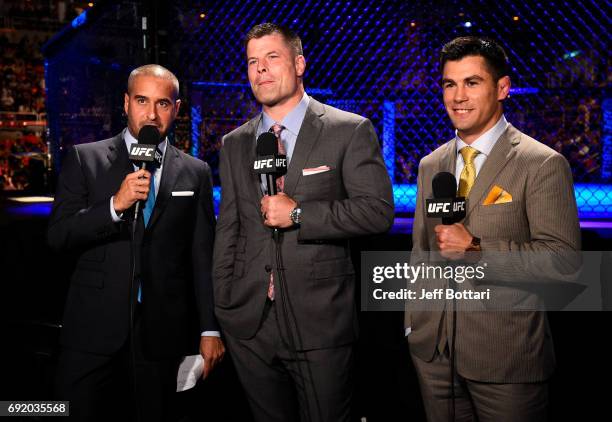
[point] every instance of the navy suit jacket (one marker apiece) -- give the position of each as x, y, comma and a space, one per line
173, 253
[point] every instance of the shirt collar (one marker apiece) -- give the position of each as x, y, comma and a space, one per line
485, 142
129, 140
293, 120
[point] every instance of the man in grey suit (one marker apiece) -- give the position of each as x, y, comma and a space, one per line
520, 199
288, 307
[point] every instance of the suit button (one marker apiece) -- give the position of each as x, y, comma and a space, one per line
268, 268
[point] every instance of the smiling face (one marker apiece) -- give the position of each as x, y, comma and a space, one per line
275, 73
472, 97
151, 101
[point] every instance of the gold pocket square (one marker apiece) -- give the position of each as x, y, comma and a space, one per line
497, 196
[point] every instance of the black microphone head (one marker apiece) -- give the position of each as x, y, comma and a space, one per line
149, 134
444, 185
267, 144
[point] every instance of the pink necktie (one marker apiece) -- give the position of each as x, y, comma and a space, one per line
277, 129
280, 184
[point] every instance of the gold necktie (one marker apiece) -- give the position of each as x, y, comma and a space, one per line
468, 174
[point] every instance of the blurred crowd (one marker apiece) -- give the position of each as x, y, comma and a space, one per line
22, 80
22, 98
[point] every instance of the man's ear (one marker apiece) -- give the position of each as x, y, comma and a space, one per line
126, 102
503, 88
300, 65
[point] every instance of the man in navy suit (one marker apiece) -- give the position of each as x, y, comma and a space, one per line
169, 311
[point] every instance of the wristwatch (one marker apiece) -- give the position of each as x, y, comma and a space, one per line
296, 215
474, 245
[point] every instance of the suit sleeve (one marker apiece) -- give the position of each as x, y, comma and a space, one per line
202, 252
369, 206
419, 237
74, 222
228, 226
419, 228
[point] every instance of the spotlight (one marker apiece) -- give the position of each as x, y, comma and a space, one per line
467, 24
413, 24
90, 4
202, 15
515, 18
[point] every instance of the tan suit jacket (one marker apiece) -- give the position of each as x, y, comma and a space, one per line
513, 346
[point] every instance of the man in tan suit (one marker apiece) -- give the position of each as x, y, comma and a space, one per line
520, 199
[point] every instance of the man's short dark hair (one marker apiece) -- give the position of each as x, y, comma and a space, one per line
492, 52
291, 38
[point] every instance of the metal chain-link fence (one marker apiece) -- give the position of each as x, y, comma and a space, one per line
380, 60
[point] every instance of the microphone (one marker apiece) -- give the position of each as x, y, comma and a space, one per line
445, 203
145, 151
269, 161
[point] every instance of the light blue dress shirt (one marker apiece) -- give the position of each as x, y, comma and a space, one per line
292, 123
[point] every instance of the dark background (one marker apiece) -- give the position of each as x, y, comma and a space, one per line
378, 59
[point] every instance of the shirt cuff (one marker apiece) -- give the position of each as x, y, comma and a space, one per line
407, 331
211, 334
116, 218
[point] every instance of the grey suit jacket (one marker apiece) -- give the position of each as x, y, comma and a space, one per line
354, 198
504, 347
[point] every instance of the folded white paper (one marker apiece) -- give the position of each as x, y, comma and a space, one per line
190, 371
182, 193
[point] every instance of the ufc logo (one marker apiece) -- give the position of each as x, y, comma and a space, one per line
142, 152
459, 206
261, 164
437, 207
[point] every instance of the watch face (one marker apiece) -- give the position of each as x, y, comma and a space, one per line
295, 215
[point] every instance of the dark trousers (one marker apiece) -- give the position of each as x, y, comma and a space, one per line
100, 388
317, 386
477, 401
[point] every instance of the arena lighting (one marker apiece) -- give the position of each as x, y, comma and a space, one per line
571, 54
594, 200
79, 20
523, 91
467, 24
31, 199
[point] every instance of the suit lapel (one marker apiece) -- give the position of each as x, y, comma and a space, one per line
119, 162
501, 154
307, 138
249, 153
449, 163
170, 173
